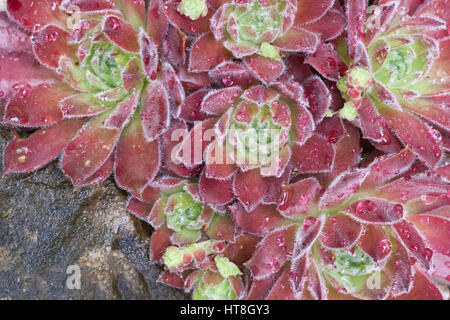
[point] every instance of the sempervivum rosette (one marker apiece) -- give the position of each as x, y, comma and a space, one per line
256, 31
108, 98
251, 139
211, 269
398, 78
175, 208
375, 232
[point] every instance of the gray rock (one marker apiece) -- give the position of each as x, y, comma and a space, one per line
47, 226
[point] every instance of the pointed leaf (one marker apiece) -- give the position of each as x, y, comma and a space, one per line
149, 56
250, 188
340, 231
137, 160
265, 69
297, 40
215, 191
414, 242
38, 106
206, 53
316, 155
88, 151
49, 44
272, 252
260, 221
327, 62
299, 198
311, 10
36, 13
330, 26
25, 155
121, 33
155, 114
373, 210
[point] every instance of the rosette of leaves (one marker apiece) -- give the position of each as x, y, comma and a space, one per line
397, 85
176, 210
94, 88
257, 31
211, 269
252, 139
371, 229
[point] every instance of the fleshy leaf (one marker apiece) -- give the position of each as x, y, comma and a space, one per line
299, 198
31, 14
260, 221
297, 39
38, 106
272, 252
340, 231
316, 155
25, 155
155, 114
250, 188
49, 44
206, 53
149, 56
88, 151
215, 192
137, 160
327, 62
311, 10
121, 33
376, 211
265, 69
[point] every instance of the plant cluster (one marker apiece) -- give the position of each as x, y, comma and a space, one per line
280, 149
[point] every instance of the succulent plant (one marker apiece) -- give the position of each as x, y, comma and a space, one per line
367, 234
175, 208
397, 82
104, 99
258, 32
280, 149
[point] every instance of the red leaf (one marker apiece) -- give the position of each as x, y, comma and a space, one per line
159, 242
36, 13
374, 210
297, 40
12, 38
311, 10
25, 155
299, 198
88, 151
423, 289
155, 114
340, 231
218, 102
38, 106
121, 33
375, 242
272, 252
49, 44
138, 208
137, 160
260, 221
100, 175
215, 191
414, 242
206, 53
149, 56
316, 155
250, 188
330, 26
265, 69
327, 62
